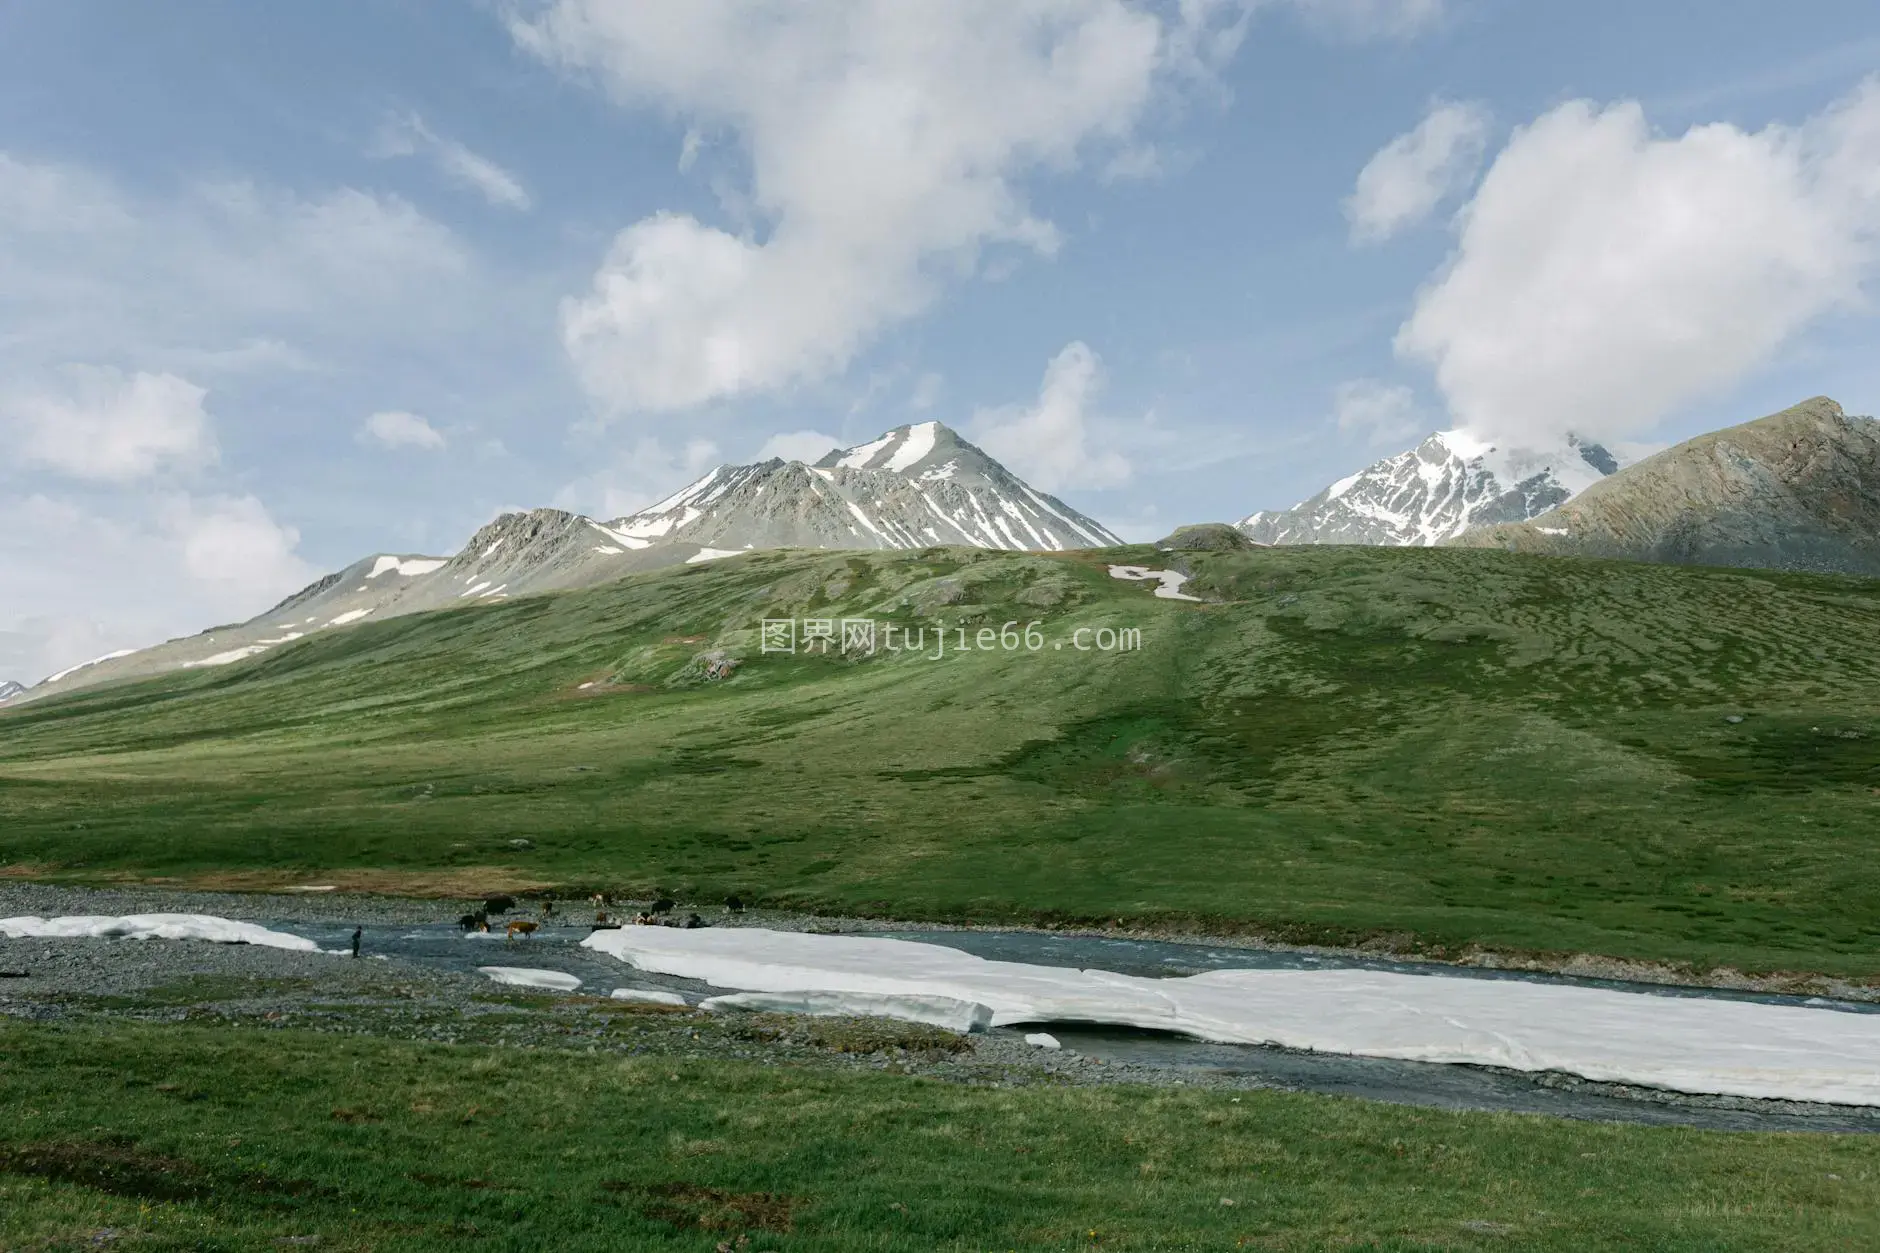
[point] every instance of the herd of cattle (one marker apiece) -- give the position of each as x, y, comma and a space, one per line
657, 914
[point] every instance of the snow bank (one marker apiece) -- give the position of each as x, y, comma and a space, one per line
937, 1011
1169, 582
529, 977
647, 997
1043, 1040
228, 658
408, 567
1689, 1044
153, 927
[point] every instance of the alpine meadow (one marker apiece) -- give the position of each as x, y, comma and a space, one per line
1419, 749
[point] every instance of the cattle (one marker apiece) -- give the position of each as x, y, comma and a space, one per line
664, 905
499, 905
734, 903
474, 922
693, 922
520, 927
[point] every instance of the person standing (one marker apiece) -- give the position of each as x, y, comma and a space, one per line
355, 940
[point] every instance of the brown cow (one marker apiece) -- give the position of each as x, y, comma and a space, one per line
520, 928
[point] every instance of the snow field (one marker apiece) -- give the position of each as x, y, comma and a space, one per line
1683, 1043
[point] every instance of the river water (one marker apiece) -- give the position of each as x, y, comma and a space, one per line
1411, 1083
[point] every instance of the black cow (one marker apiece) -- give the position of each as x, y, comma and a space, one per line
664, 905
499, 904
735, 904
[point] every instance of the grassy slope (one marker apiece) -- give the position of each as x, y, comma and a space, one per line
233, 1138
1467, 746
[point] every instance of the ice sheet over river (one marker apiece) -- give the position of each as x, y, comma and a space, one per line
153, 927
1687, 1044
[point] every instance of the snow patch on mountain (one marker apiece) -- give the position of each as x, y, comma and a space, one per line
1449, 483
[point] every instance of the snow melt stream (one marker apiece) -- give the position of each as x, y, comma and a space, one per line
1737, 1048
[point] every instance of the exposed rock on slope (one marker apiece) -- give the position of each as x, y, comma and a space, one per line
1798, 490
1442, 487
9, 689
1211, 537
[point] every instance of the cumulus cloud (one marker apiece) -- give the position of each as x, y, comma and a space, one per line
885, 141
233, 541
84, 579
1383, 413
1605, 275
394, 428
1406, 179
104, 425
407, 135
804, 446
1048, 443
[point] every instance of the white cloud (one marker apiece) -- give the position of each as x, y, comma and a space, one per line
1383, 413
1606, 275
231, 541
638, 475
804, 446
134, 570
885, 143
1409, 176
395, 428
88, 271
408, 135
104, 425
1048, 444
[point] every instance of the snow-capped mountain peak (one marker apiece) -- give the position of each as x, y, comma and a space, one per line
912, 487
1448, 483
9, 689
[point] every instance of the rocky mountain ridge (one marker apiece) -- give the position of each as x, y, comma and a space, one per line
1442, 487
916, 486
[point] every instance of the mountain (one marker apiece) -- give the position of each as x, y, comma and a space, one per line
1797, 490
914, 487
917, 486
9, 689
1442, 487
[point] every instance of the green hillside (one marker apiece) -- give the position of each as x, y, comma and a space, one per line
1441, 747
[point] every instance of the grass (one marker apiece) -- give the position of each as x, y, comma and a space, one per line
235, 1138
1432, 748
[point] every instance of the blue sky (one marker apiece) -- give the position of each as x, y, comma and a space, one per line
282, 285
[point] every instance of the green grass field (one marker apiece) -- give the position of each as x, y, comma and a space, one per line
181, 1137
1436, 747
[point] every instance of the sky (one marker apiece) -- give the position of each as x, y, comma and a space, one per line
284, 285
